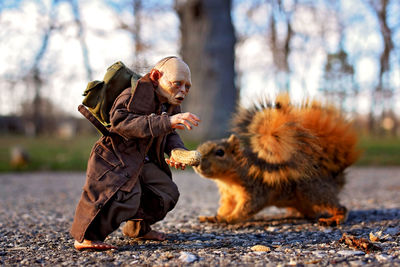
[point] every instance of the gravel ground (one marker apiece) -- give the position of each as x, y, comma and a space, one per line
36, 211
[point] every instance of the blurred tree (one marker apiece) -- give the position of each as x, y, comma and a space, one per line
39, 73
34, 76
207, 45
338, 79
81, 37
48, 112
139, 46
136, 33
382, 96
281, 44
281, 49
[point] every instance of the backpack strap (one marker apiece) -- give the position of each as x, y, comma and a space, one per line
88, 115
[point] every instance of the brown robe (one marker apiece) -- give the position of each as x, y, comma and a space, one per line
116, 161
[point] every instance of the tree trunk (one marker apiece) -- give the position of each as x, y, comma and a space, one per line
207, 46
382, 103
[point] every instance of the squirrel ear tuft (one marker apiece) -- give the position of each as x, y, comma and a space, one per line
233, 140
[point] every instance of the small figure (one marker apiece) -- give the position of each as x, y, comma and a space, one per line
282, 155
128, 179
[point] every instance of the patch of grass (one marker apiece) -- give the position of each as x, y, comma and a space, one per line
48, 153
57, 154
51, 153
379, 151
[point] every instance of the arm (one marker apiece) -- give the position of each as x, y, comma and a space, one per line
131, 125
179, 155
173, 141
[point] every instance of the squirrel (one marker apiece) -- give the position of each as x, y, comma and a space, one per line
281, 154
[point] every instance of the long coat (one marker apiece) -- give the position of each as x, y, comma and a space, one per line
115, 162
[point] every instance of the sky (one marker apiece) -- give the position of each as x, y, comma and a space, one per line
22, 26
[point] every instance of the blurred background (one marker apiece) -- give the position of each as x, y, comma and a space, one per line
344, 51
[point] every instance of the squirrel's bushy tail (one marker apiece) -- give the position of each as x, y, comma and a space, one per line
284, 141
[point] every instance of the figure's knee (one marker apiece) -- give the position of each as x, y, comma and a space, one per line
171, 198
175, 193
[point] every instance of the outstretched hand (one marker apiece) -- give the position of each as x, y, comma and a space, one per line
182, 120
177, 165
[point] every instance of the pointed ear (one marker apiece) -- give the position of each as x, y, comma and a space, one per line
155, 76
233, 140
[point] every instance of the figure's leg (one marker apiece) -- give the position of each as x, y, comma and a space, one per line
118, 209
139, 228
159, 195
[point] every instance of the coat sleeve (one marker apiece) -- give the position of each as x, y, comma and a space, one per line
173, 139
130, 125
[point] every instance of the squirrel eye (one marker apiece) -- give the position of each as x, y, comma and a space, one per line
219, 153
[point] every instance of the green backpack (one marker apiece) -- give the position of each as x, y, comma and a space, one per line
100, 95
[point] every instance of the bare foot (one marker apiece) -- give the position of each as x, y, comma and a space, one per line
154, 235
96, 245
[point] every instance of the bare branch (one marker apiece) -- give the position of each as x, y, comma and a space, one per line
81, 37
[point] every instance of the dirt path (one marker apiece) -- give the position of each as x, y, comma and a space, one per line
36, 211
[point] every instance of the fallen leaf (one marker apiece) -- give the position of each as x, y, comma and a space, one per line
374, 237
358, 243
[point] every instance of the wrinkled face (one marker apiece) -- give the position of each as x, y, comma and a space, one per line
218, 158
175, 81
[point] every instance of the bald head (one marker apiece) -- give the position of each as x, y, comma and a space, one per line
173, 68
173, 79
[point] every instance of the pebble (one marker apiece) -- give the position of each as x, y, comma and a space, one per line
383, 257
260, 248
347, 253
187, 257
319, 254
392, 231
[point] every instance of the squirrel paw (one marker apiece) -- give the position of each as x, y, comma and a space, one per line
331, 221
218, 219
210, 219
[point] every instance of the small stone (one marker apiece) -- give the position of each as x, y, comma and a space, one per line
356, 263
187, 257
383, 257
351, 253
319, 254
260, 248
392, 231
